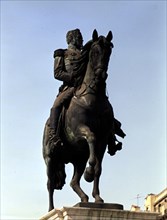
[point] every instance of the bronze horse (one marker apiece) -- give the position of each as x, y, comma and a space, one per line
88, 124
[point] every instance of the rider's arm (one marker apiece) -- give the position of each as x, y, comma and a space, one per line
59, 70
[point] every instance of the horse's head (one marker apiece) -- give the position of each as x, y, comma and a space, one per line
99, 55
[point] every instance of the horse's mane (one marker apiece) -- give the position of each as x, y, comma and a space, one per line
81, 63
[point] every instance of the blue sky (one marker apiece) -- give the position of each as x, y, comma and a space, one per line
136, 86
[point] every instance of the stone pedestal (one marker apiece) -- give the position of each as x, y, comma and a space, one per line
92, 211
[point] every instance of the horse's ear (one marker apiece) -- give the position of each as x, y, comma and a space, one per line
109, 36
95, 35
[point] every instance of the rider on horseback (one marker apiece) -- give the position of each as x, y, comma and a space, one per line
70, 68
65, 69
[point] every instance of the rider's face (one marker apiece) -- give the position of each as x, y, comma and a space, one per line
78, 41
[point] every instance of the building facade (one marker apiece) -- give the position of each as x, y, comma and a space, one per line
157, 202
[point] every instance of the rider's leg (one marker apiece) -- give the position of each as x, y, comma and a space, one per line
118, 130
113, 143
54, 121
55, 115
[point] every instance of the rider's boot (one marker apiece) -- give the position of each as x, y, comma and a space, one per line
54, 136
118, 130
113, 146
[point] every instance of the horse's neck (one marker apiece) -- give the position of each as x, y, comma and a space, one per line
93, 83
89, 75
90, 93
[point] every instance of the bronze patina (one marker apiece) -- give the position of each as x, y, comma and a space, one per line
81, 124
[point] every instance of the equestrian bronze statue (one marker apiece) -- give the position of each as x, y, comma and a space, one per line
84, 125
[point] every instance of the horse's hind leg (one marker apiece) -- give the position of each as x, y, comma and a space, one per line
50, 190
50, 183
75, 182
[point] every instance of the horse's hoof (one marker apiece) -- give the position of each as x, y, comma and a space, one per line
89, 174
85, 199
50, 208
99, 200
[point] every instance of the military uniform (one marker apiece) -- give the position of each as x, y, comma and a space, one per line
64, 70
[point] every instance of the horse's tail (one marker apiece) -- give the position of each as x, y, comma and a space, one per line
55, 165
59, 176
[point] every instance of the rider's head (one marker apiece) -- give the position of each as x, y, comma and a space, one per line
75, 38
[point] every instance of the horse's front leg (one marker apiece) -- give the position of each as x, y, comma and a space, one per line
98, 170
75, 182
86, 133
96, 192
50, 182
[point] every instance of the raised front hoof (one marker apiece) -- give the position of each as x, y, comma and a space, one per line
89, 174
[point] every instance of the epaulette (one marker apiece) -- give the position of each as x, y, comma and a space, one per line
59, 53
